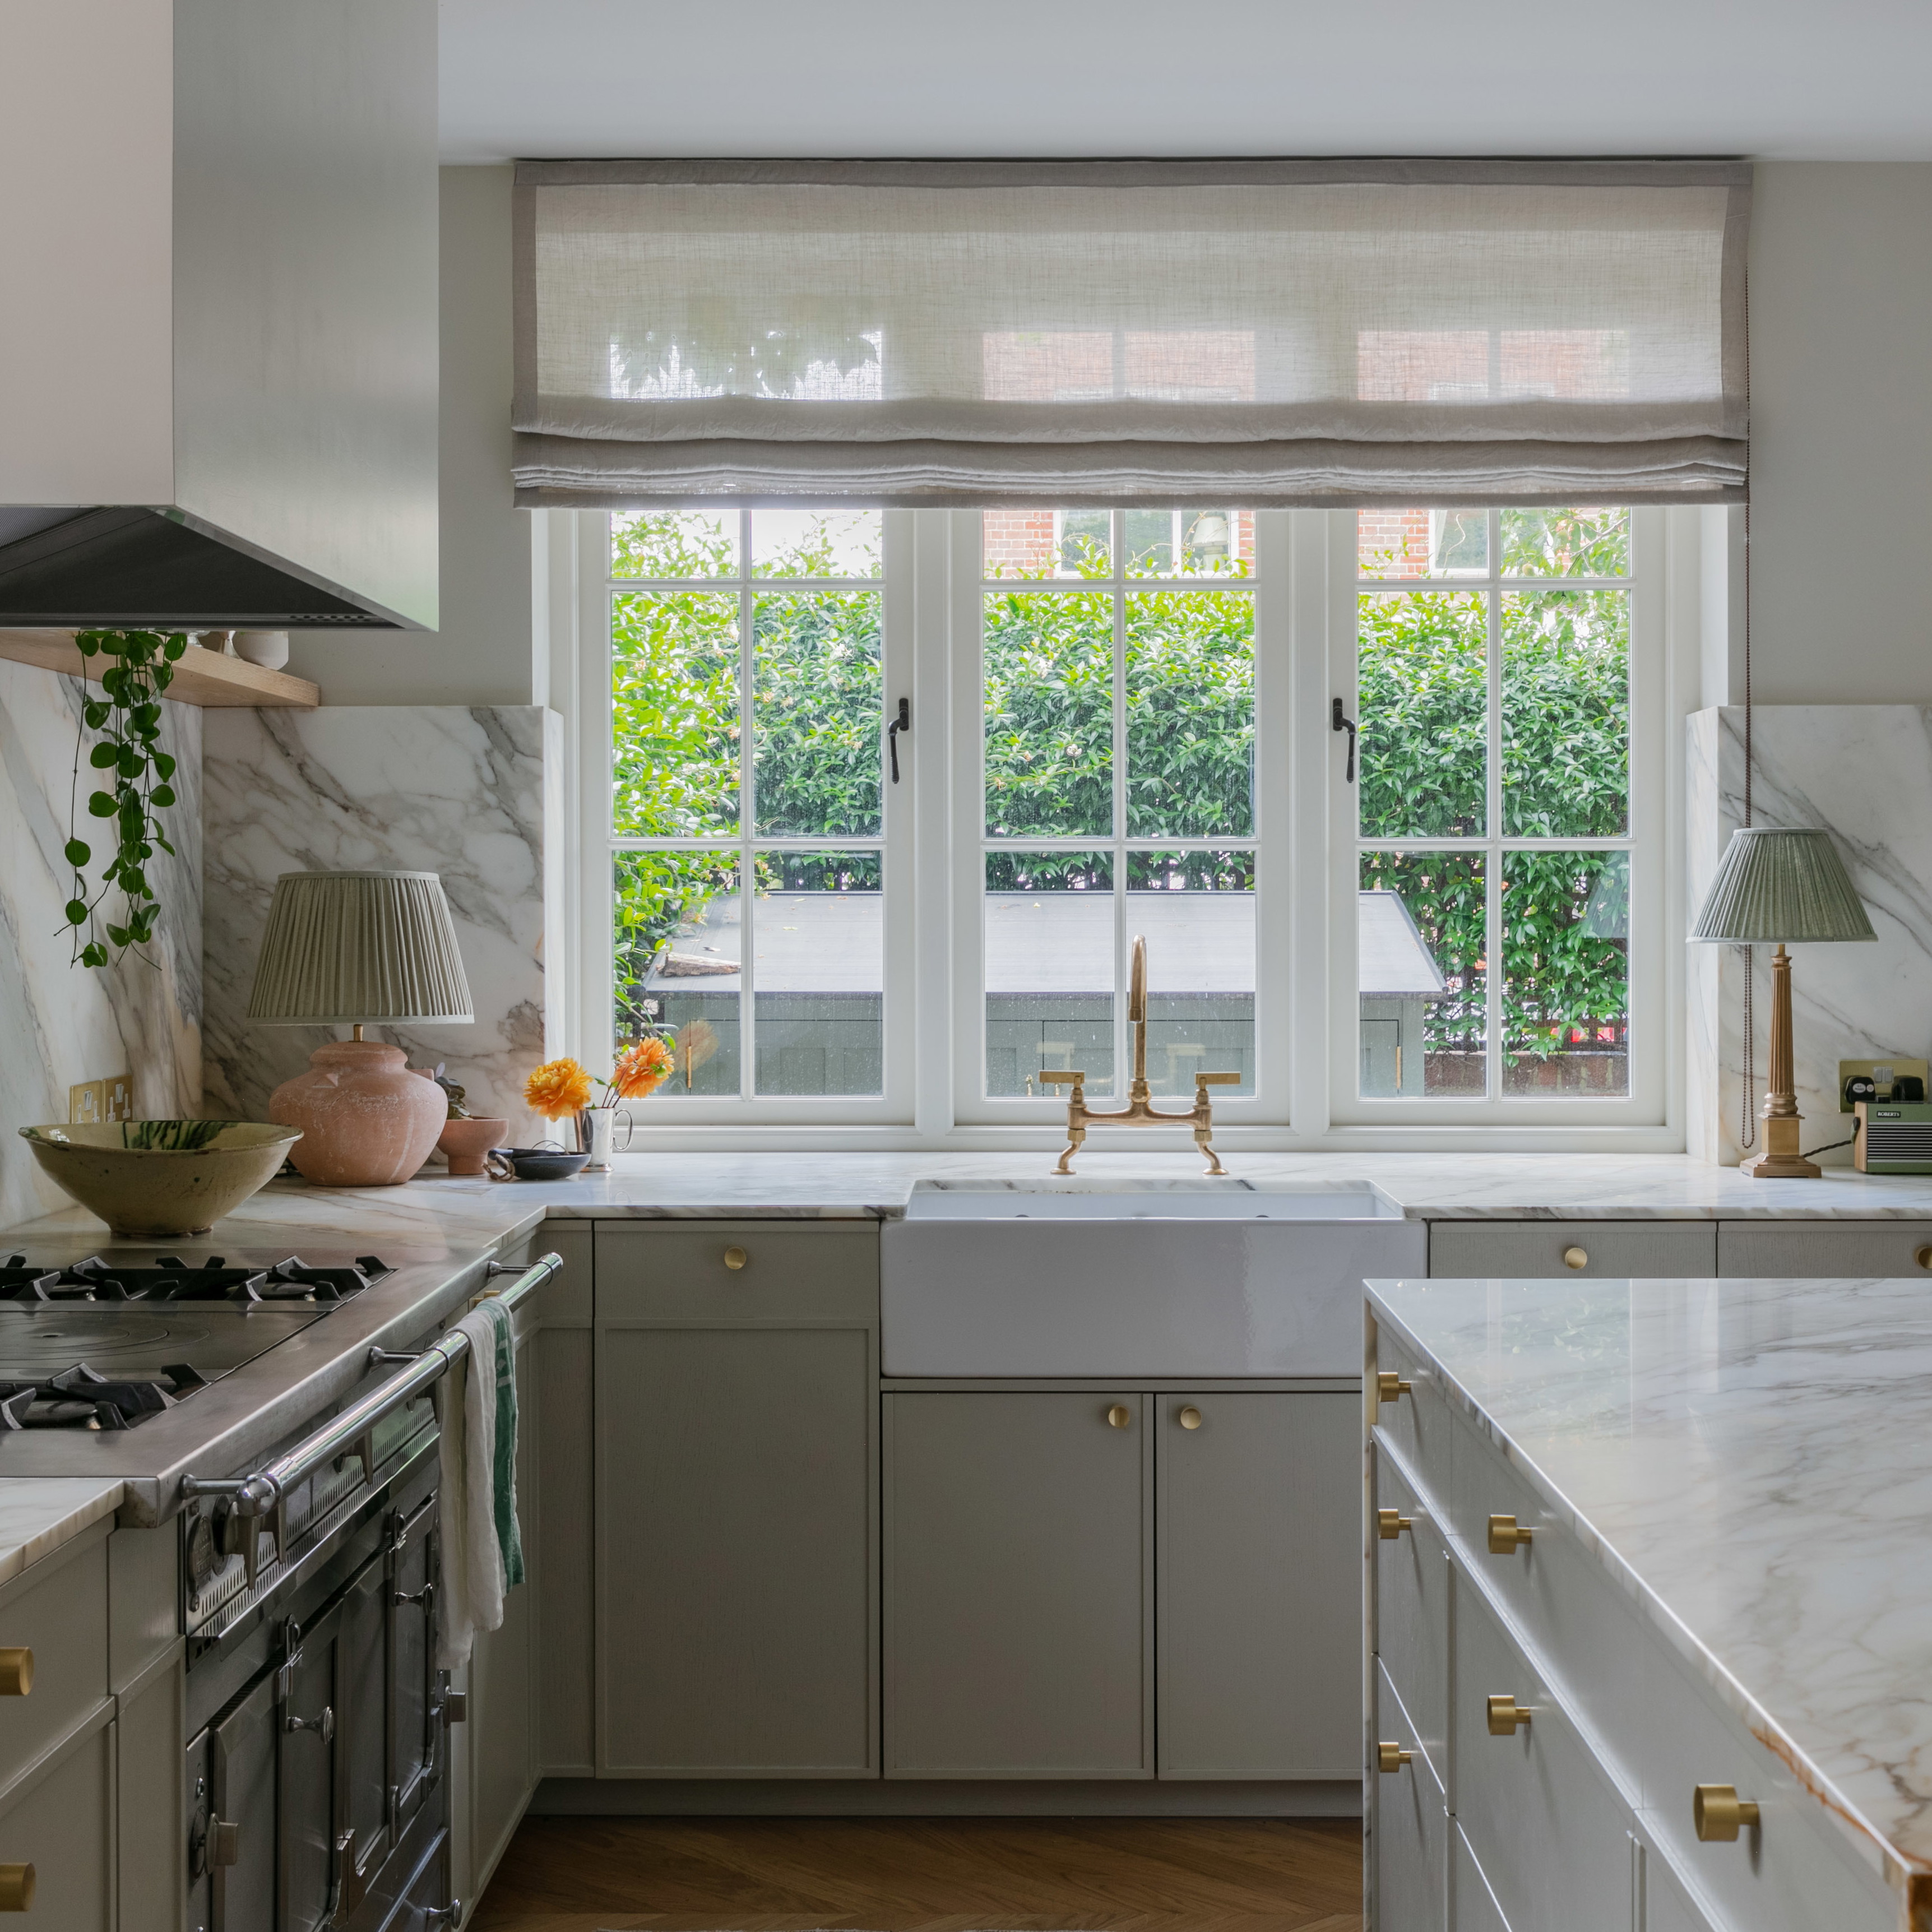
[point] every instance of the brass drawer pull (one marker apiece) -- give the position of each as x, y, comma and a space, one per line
1119, 1416
1190, 1418
16, 1888
1391, 1757
1576, 1258
736, 1259
1390, 1386
1506, 1538
1505, 1714
1389, 1524
17, 1671
1719, 1812
1923, 1256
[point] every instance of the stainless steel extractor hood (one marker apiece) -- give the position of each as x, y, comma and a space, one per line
218, 369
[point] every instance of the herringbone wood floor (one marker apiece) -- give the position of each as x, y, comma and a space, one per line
927, 1875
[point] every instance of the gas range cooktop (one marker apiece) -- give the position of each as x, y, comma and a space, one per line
105, 1341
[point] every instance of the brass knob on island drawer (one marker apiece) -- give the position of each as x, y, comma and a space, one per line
16, 1888
1391, 1757
1190, 1418
1119, 1416
1390, 1523
1505, 1714
1506, 1538
16, 1672
1923, 1256
1719, 1812
736, 1258
1576, 1258
1391, 1387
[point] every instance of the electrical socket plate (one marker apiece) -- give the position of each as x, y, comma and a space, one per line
95, 1101
1884, 1072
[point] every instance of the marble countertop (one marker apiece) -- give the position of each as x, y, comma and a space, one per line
38, 1514
1752, 1462
437, 1214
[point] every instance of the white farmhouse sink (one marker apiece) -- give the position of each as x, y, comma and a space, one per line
1136, 1278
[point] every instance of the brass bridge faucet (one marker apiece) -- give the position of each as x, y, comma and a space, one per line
1139, 1112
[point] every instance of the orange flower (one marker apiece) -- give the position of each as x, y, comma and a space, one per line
642, 1068
558, 1089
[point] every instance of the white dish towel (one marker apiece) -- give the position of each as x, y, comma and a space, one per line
482, 1550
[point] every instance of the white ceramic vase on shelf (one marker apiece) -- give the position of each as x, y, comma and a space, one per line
596, 1135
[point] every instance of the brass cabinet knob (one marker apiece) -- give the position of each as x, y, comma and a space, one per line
736, 1258
1923, 1256
16, 1888
1391, 1756
1390, 1523
17, 1671
1505, 1714
1391, 1387
1576, 1258
1506, 1537
1119, 1416
1190, 1418
1720, 1813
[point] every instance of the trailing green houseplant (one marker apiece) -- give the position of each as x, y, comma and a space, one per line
137, 777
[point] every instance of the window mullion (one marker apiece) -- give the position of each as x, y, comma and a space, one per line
1118, 547
1492, 865
748, 811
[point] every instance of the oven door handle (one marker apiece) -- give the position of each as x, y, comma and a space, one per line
261, 1494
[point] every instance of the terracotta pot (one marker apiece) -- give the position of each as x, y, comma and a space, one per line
465, 1142
367, 1120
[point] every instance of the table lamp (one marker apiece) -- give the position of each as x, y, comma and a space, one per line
1781, 887
359, 947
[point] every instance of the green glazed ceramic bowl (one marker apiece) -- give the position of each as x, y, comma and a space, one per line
161, 1176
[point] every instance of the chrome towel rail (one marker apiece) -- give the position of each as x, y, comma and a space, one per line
261, 1493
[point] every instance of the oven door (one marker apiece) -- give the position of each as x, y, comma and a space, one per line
313, 1844
417, 1732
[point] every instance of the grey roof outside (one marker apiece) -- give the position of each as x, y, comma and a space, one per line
1041, 942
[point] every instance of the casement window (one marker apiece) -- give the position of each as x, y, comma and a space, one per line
1122, 725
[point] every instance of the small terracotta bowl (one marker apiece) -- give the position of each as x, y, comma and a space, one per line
465, 1142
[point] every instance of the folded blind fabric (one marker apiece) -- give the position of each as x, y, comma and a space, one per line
1285, 332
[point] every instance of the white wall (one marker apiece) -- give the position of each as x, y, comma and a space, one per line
482, 653
1841, 432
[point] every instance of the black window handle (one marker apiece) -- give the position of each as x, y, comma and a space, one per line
903, 722
1337, 722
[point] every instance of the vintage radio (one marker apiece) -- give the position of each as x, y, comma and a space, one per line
1893, 1137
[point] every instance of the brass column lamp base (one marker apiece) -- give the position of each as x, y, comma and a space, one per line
1783, 1124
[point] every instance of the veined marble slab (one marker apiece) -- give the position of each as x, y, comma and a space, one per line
437, 1214
1752, 1462
37, 1514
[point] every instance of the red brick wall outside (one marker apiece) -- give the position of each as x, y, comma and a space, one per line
1393, 542
1017, 541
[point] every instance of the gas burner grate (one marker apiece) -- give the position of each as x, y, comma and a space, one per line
80, 1398
171, 1279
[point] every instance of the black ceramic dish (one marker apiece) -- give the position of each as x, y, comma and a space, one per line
535, 1163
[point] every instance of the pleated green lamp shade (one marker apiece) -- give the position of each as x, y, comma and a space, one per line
349, 946
1790, 888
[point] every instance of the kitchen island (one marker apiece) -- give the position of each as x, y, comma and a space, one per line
1675, 1530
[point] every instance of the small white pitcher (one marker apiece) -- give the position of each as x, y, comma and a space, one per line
596, 1135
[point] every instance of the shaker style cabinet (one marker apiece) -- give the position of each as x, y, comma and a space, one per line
1070, 1574
736, 1460
1019, 1585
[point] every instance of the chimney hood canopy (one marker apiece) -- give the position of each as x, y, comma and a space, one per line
137, 568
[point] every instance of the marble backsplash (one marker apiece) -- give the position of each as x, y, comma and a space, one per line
62, 1024
472, 793
1863, 772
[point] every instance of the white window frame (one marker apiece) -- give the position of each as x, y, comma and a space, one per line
1306, 1045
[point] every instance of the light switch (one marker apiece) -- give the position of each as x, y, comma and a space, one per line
87, 1104
120, 1097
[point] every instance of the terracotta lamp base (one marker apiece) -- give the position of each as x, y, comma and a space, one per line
366, 1120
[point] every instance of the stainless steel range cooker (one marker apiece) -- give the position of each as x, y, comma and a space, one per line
265, 1398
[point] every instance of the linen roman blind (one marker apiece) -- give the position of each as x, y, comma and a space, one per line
1282, 332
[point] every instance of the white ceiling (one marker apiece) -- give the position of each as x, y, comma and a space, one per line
1838, 79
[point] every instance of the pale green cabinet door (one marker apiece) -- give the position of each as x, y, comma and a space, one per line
735, 1579
1260, 1593
1019, 1597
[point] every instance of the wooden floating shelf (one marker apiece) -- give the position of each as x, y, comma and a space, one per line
201, 677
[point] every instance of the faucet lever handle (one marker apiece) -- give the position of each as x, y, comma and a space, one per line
1217, 1079
1065, 1076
